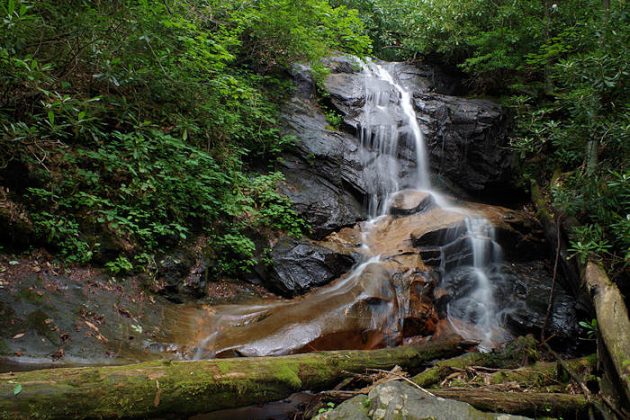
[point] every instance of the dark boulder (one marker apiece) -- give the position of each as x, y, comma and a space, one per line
182, 275
322, 171
467, 141
299, 265
526, 289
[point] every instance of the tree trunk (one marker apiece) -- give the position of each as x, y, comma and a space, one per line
570, 273
612, 320
533, 404
190, 387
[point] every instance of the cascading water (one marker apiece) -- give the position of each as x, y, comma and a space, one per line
364, 308
381, 132
473, 314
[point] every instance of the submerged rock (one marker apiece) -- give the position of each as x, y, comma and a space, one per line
399, 400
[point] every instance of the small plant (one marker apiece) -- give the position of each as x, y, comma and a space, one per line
120, 265
333, 118
235, 254
590, 328
588, 242
328, 407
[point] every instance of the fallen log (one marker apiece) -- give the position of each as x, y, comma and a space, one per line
191, 387
534, 404
545, 373
612, 320
513, 356
540, 374
442, 368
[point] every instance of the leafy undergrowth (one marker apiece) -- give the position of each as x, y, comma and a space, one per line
128, 127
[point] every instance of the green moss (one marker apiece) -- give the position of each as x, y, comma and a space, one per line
428, 377
288, 373
224, 367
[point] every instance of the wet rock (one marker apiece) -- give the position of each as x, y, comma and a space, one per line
181, 275
466, 138
346, 84
299, 265
521, 295
425, 77
467, 141
328, 176
323, 173
525, 289
517, 232
363, 310
407, 202
399, 400
81, 318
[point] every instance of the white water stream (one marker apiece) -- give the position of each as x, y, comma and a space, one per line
363, 309
389, 117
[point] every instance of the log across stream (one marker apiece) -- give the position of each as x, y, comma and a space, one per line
192, 387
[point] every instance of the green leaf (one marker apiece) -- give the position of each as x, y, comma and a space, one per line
51, 117
17, 389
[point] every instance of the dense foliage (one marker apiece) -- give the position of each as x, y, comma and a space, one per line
127, 126
564, 69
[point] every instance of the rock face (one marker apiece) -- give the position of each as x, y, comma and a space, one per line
323, 170
466, 138
299, 265
399, 400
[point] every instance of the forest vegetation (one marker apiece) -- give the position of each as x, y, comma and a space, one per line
133, 129
127, 127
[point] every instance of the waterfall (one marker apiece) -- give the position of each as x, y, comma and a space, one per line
363, 305
388, 115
